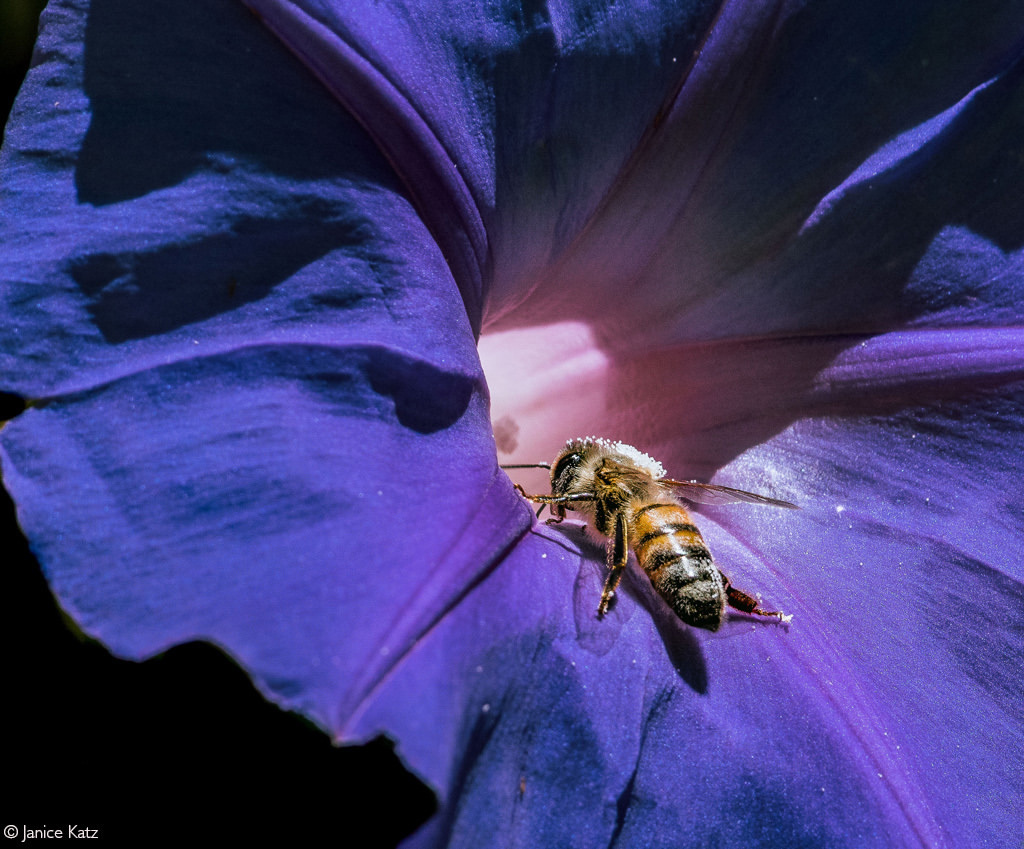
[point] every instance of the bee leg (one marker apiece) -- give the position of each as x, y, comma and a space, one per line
618, 555
518, 488
557, 514
748, 604
554, 503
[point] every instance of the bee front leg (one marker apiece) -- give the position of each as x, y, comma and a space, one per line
555, 503
618, 555
518, 488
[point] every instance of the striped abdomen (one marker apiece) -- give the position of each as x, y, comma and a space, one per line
672, 552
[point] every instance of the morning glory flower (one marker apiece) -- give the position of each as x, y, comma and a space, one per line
248, 259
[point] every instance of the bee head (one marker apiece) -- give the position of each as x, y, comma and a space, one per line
580, 457
567, 465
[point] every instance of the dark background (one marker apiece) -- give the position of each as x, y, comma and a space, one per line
181, 745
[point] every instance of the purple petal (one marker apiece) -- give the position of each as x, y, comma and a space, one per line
261, 406
806, 188
507, 124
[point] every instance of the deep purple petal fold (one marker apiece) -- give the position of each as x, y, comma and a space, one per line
817, 157
507, 124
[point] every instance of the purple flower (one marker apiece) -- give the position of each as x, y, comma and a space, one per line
774, 245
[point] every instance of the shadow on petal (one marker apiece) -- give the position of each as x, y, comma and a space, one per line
151, 60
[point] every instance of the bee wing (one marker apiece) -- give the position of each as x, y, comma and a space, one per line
709, 493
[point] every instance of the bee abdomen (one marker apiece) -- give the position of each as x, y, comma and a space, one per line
672, 552
664, 527
685, 529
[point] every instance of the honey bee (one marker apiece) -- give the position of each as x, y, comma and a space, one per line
632, 505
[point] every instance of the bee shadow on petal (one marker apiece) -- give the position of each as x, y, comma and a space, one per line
681, 644
595, 635
599, 635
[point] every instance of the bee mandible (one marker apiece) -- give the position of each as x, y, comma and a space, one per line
631, 503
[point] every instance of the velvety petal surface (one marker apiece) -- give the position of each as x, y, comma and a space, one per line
246, 317
254, 388
811, 150
869, 367
887, 714
507, 121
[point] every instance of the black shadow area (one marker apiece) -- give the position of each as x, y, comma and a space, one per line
180, 749
19, 21
11, 405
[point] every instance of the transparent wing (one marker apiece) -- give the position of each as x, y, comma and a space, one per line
708, 493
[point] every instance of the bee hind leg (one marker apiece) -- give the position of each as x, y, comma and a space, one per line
618, 555
748, 604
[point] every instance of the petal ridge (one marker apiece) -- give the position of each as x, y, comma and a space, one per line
427, 170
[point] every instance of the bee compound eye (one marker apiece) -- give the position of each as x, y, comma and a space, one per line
566, 464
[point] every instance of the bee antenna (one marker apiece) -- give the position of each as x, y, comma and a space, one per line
527, 466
